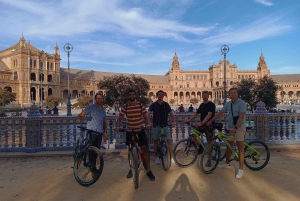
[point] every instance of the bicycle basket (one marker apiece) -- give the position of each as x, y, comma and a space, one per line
217, 126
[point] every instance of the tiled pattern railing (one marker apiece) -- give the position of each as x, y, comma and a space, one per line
60, 132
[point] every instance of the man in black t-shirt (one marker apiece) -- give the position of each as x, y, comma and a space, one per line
161, 111
207, 111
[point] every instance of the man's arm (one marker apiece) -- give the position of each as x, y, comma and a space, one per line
104, 128
173, 118
219, 114
209, 114
192, 118
148, 115
147, 120
81, 115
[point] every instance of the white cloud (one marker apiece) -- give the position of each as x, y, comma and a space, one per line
262, 28
264, 2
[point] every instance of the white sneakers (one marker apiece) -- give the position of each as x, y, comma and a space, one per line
224, 165
172, 161
157, 161
239, 174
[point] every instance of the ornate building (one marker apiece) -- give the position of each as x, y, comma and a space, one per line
34, 75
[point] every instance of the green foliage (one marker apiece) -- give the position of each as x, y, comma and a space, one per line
171, 101
6, 97
247, 90
217, 101
84, 101
52, 101
2, 111
265, 90
116, 88
194, 101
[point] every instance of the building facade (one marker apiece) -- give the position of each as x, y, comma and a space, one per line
33, 75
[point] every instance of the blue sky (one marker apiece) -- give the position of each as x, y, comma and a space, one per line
141, 36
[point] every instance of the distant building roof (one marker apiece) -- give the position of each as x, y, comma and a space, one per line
3, 66
89, 74
286, 78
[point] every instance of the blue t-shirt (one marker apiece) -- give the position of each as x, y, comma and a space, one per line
237, 107
95, 117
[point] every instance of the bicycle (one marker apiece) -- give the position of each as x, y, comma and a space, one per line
185, 151
88, 160
163, 149
257, 153
135, 157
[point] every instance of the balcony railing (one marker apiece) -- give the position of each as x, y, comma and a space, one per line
46, 133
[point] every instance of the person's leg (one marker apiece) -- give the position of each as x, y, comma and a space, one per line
128, 136
169, 139
240, 137
155, 137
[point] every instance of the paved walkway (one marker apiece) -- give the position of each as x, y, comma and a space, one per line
48, 176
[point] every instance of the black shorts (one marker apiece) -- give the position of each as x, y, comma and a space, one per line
96, 140
142, 138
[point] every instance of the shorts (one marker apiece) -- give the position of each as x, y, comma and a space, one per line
208, 132
142, 138
156, 132
239, 134
96, 140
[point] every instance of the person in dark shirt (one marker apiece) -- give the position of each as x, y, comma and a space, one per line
55, 110
207, 111
161, 111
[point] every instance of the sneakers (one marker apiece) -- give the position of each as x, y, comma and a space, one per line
129, 175
172, 161
157, 161
150, 176
224, 165
239, 174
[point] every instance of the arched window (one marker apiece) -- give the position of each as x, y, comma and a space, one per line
15, 76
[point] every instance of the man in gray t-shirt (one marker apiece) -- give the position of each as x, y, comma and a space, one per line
237, 126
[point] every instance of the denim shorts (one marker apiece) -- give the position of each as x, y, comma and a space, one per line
156, 132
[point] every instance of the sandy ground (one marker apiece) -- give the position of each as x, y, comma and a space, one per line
46, 178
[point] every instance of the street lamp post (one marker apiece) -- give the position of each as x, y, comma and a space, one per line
68, 48
93, 79
224, 50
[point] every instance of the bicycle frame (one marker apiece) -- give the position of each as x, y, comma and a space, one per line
222, 136
197, 134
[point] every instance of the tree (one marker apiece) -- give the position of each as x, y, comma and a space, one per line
116, 88
247, 92
6, 97
52, 101
84, 101
194, 101
265, 90
171, 101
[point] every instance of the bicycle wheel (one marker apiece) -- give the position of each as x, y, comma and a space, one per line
210, 158
255, 161
165, 155
88, 166
185, 153
134, 163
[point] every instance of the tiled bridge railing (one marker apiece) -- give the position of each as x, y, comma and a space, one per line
32, 134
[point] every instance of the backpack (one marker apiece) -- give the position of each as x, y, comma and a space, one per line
126, 106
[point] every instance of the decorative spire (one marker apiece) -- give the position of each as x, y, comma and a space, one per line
22, 41
175, 63
56, 49
262, 63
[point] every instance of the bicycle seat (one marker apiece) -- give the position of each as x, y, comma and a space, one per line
218, 126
